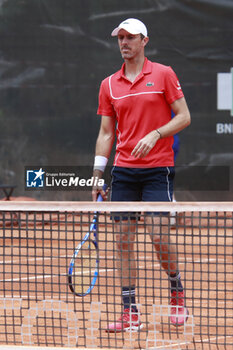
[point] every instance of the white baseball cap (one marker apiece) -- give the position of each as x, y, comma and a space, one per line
131, 25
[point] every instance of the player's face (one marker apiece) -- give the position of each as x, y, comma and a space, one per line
130, 45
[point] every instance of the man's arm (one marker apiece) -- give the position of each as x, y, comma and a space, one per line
180, 121
104, 145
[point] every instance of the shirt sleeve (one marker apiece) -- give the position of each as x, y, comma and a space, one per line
173, 89
105, 106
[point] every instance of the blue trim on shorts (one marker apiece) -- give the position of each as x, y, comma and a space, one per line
142, 184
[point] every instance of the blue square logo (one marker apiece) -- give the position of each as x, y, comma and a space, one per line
35, 178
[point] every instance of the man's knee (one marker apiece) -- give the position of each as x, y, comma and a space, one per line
124, 241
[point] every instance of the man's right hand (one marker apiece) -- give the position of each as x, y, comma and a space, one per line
99, 190
96, 189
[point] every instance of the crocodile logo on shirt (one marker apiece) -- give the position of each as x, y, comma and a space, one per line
150, 84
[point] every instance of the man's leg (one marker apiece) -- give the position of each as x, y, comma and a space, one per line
158, 227
125, 187
126, 265
124, 232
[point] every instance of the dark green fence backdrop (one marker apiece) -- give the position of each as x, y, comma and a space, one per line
53, 56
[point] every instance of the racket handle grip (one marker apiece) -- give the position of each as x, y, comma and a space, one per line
100, 198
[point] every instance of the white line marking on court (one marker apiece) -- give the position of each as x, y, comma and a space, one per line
54, 275
32, 259
100, 271
21, 259
109, 257
36, 277
190, 342
213, 338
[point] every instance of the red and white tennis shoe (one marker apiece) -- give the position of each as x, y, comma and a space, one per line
128, 321
179, 312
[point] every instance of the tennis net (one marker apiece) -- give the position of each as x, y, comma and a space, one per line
38, 240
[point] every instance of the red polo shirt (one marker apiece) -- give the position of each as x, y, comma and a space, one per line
139, 108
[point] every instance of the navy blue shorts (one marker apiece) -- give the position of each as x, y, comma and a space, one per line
142, 184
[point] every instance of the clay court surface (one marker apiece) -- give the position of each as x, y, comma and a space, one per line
37, 307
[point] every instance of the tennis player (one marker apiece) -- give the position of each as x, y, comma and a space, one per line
137, 102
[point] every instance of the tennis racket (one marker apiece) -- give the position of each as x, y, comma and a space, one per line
84, 265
